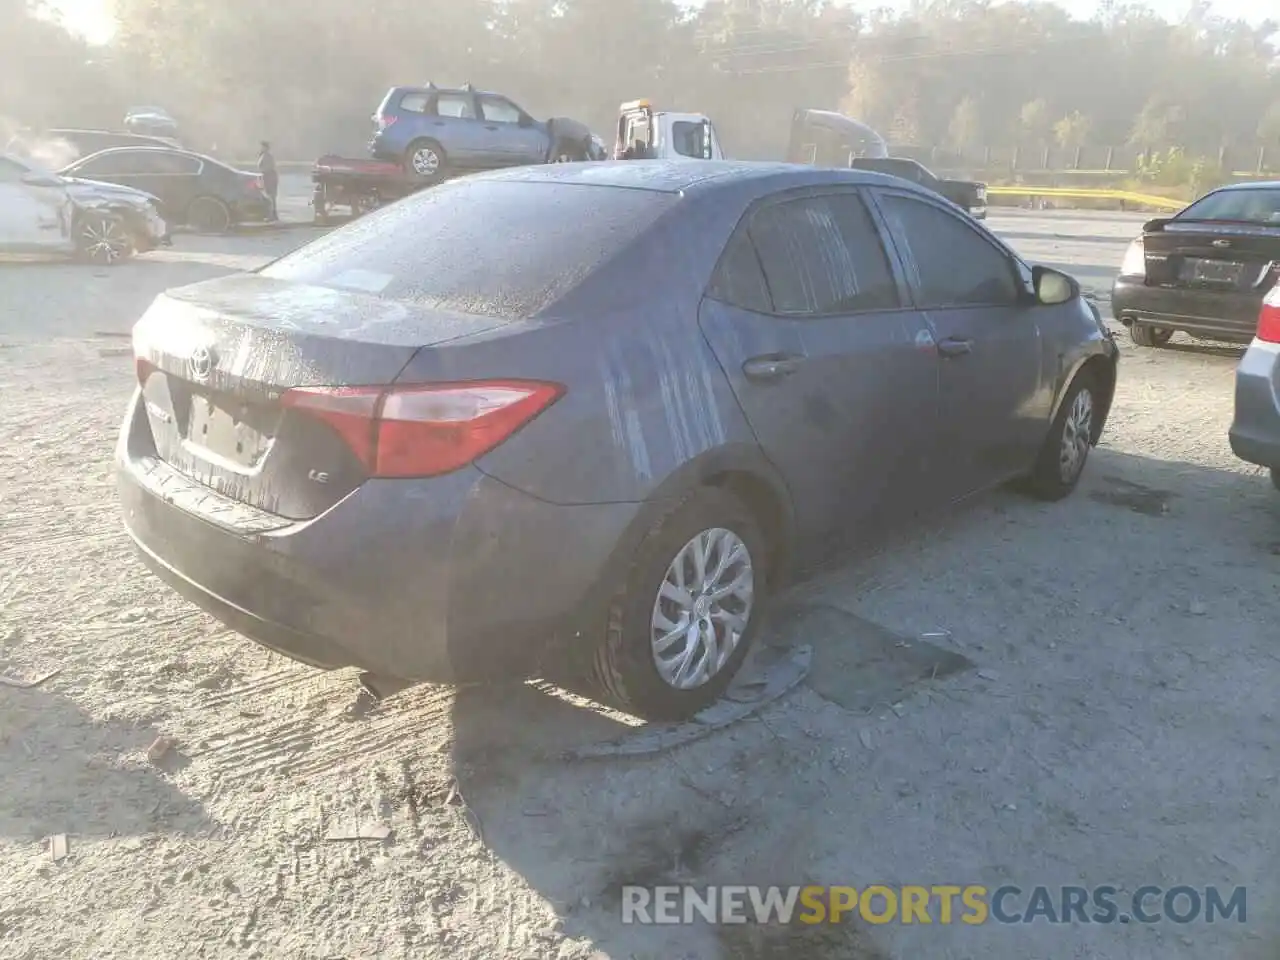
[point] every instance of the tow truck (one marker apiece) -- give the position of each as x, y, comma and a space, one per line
648, 134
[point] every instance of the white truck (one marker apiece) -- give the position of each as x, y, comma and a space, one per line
648, 134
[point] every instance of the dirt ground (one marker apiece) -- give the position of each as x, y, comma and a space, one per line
1107, 714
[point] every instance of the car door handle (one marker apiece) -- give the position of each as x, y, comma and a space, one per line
770, 368
955, 347
490, 126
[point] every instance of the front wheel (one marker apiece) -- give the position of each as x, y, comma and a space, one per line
1066, 448
1146, 335
682, 625
101, 238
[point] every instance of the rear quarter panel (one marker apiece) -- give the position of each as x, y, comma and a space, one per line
646, 400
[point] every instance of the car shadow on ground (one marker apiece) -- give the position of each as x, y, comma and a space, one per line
66, 773
753, 804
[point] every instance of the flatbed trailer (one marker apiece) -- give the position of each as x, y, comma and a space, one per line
360, 185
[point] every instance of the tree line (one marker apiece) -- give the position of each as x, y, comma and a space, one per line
959, 74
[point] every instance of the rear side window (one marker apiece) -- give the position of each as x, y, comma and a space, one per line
738, 279
949, 262
414, 102
822, 255
493, 248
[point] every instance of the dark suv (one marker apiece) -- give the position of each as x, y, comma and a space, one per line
434, 131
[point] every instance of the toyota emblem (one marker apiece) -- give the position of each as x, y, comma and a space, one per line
200, 363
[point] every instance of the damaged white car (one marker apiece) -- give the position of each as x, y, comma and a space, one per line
41, 212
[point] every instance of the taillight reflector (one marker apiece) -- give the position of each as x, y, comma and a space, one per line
1269, 316
424, 430
386, 120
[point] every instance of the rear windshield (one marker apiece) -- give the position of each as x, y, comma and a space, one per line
1253, 205
493, 248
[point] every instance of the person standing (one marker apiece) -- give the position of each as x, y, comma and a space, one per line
270, 178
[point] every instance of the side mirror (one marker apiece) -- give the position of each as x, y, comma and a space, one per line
525, 120
1053, 286
40, 180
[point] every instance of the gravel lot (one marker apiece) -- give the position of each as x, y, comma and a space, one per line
1112, 722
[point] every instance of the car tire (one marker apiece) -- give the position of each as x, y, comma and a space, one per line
1147, 335
102, 239
1062, 459
1275, 477
625, 666
425, 160
566, 151
209, 215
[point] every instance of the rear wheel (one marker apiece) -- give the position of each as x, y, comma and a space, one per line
209, 215
102, 238
1146, 335
1066, 448
425, 159
686, 616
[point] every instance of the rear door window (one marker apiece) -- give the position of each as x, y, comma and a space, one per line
822, 255
457, 105
487, 247
948, 262
106, 165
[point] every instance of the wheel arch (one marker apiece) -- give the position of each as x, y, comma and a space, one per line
740, 469
1102, 368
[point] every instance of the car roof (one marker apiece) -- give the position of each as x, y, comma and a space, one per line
693, 176
1251, 185
438, 89
144, 148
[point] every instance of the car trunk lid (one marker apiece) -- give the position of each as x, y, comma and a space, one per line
215, 358
1211, 255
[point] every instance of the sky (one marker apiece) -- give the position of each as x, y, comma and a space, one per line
93, 17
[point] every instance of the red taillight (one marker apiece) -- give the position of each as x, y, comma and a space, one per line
424, 430
386, 120
255, 185
143, 368
1269, 316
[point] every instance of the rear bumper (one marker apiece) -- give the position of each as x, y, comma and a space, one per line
442, 580
1226, 316
1255, 426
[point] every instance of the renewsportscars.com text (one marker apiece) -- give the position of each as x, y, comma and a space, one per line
942, 904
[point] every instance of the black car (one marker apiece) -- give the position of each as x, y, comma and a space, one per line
1204, 271
194, 190
969, 195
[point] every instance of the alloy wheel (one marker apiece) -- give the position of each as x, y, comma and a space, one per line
104, 240
702, 609
1077, 434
